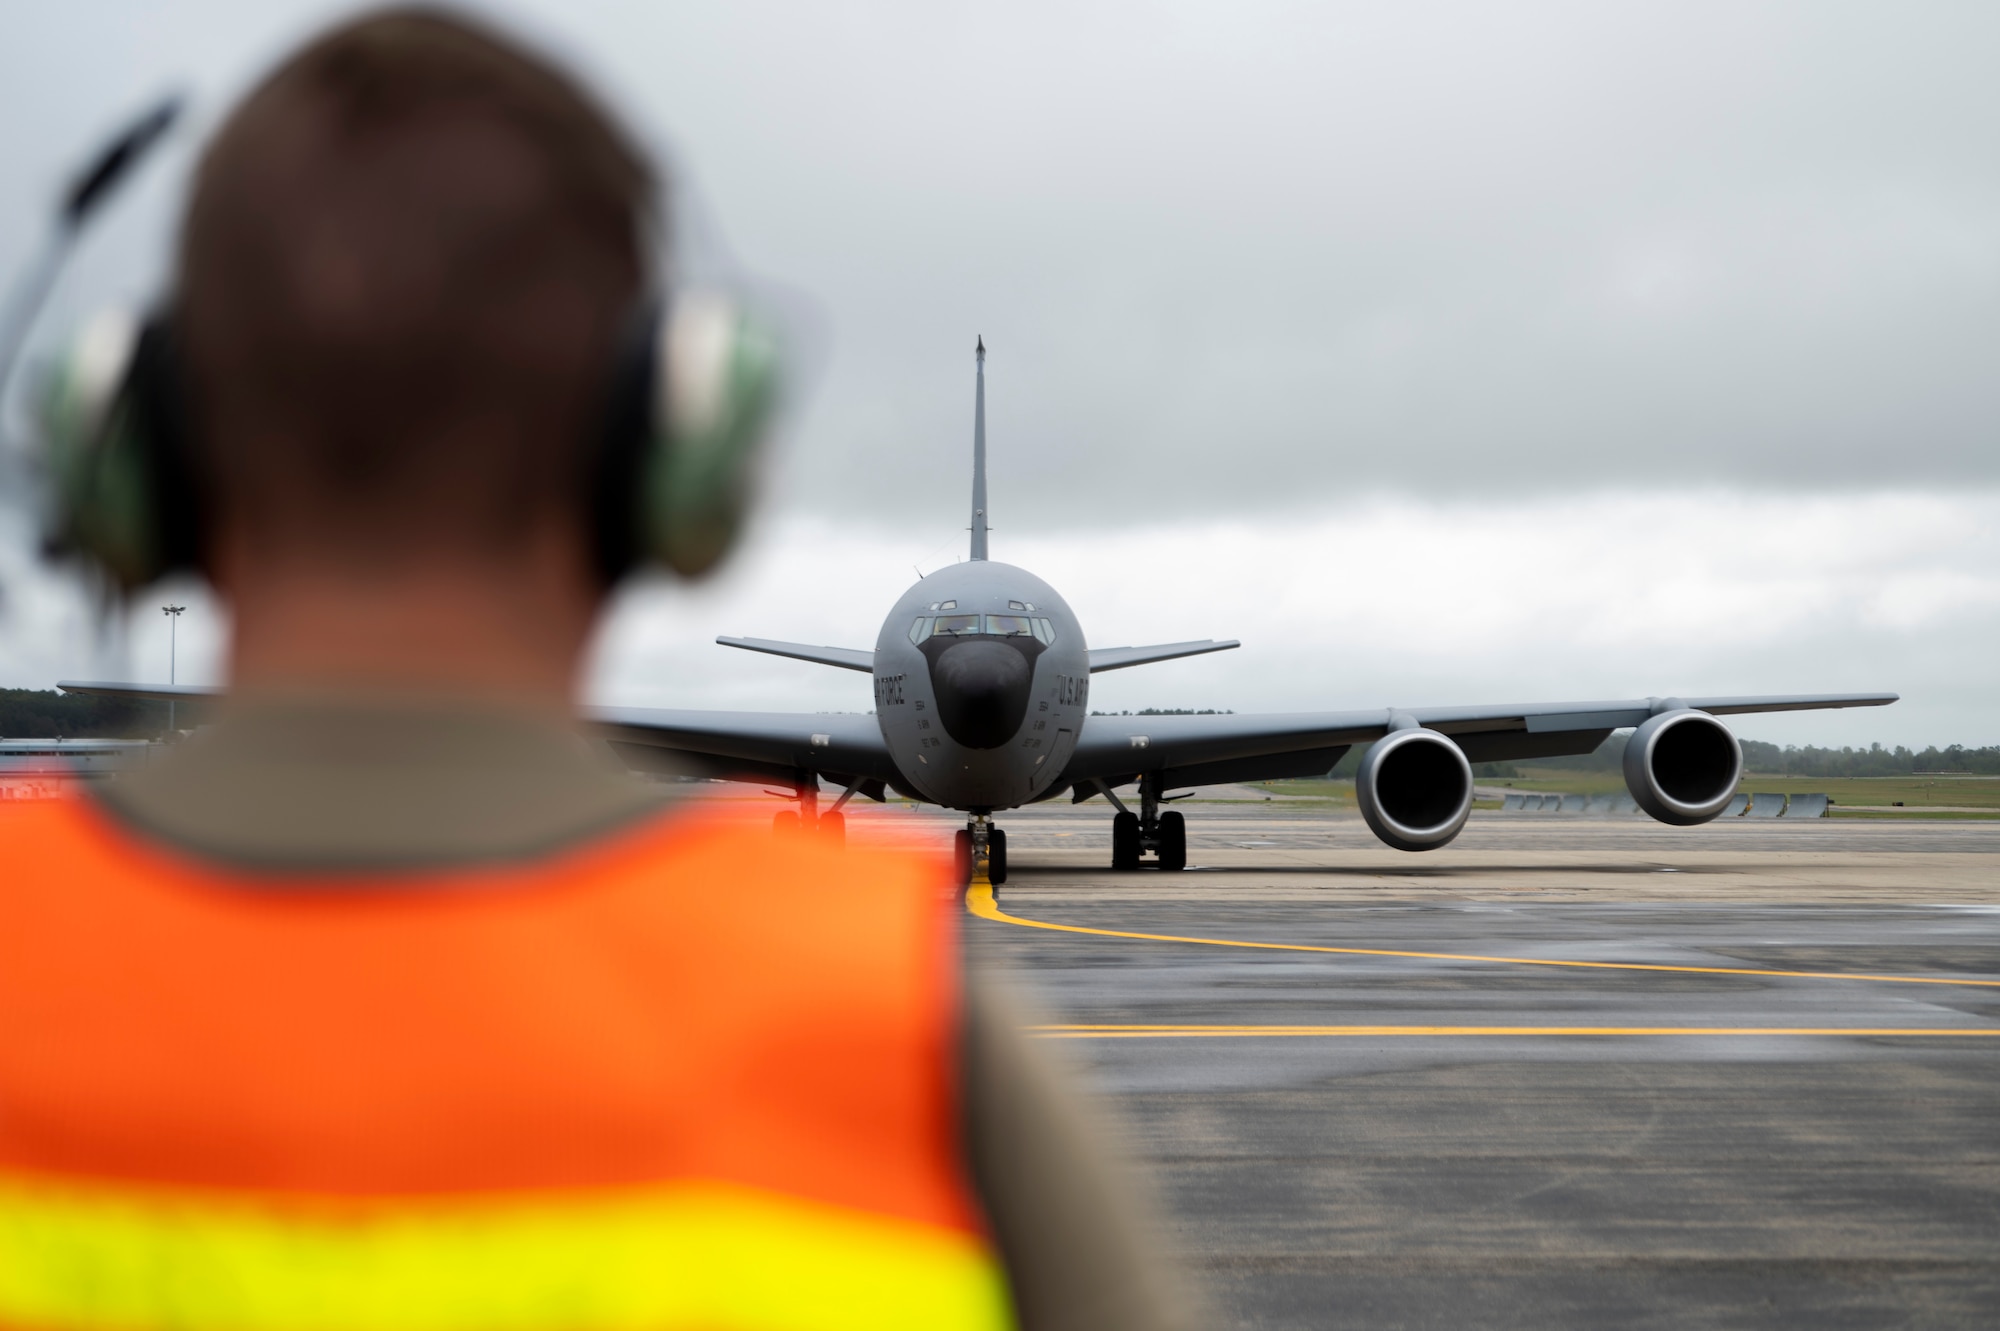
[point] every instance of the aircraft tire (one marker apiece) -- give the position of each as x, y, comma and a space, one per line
833, 830
1125, 841
786, 823
1173, 841
996, 857
961, 854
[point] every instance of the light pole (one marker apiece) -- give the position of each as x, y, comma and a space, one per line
173, 614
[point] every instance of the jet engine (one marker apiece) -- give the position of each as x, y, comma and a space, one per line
1415, 789
1682, 766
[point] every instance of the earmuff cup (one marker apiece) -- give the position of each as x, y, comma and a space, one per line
617, 525
116, 436
690, 401
714, 396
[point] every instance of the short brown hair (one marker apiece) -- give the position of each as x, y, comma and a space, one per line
407, 260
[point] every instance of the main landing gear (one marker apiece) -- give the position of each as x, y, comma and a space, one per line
806, 820
981, 841
1134, 835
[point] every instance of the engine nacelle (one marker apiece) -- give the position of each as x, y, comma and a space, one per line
1682, 766
1414, 788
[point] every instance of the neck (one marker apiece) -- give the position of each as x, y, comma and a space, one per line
508, 628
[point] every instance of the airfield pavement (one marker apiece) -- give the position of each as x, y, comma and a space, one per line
1378, 1137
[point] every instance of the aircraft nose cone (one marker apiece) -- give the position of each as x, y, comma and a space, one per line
982, 692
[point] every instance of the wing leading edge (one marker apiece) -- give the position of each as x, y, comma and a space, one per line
777, 747
141, 692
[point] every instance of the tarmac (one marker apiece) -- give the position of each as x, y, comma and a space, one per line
1562, 1073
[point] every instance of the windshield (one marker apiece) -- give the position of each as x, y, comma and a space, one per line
999, 626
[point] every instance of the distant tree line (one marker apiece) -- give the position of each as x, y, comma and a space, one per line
1871, 761
47, 714
1172, 711
1809, 760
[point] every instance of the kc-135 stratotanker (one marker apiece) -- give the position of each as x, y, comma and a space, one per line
982, 696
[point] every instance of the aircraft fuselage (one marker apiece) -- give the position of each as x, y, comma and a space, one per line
982, 681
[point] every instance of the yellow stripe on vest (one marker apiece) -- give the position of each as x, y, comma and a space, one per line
685, 1255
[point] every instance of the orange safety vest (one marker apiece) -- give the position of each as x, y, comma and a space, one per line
686, 1076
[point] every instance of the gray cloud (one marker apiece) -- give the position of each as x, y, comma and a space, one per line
1239, 259
1256, 256
1232, 257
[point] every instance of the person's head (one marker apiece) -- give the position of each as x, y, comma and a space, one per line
408, 260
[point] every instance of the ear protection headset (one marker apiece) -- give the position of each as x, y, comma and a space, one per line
692, 396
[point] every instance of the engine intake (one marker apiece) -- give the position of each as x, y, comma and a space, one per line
1415, 789
1682, 766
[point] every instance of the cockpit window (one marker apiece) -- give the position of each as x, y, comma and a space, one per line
999, 626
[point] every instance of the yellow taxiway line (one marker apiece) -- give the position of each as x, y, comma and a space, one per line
1174, 1032
979, 901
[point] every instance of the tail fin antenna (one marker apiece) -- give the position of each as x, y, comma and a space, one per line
979, 455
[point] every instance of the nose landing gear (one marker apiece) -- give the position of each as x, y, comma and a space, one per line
982, 842
1134, 835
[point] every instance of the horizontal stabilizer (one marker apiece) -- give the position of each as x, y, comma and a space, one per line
847, 658
1117, 658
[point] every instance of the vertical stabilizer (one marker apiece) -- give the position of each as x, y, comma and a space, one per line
979, 455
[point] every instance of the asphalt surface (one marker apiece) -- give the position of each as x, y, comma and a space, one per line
1729, 1171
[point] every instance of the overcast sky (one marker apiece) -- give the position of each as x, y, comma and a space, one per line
1441, 352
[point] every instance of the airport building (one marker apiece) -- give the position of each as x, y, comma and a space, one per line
45, 768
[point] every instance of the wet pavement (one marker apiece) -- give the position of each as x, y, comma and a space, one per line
1555, 1075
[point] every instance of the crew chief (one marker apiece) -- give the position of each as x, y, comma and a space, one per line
385, 1002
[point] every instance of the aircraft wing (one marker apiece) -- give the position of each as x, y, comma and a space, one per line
191, 699
750, 746
1204, 750
1117, 658
847, 658
142, 692
776, 747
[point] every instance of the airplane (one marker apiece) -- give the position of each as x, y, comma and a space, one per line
982, 693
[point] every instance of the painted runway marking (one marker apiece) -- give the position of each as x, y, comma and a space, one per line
1173, 1032
979, 901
